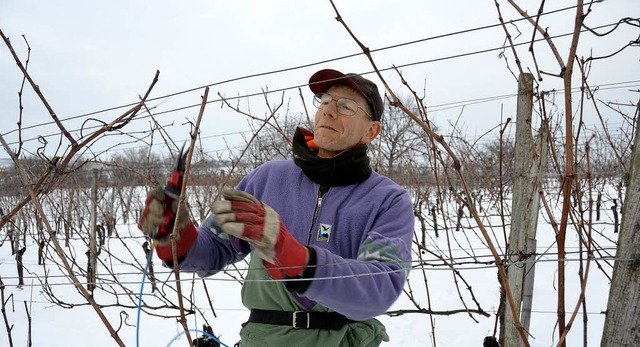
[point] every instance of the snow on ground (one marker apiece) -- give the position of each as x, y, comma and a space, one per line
54, 326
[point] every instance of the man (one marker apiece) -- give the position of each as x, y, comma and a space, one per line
330, 239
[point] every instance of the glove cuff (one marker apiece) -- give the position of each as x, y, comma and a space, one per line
291, 256
187, 238
294, 261
309, 273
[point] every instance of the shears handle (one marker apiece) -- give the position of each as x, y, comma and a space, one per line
174, 183
172, 191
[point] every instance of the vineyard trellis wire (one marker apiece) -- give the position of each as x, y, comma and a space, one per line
441, 204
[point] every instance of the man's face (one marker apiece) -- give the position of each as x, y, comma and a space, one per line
334, 132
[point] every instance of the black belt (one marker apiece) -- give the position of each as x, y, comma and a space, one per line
300, 319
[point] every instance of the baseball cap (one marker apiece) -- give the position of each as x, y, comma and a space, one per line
322, 80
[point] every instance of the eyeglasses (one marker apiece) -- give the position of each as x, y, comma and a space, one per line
345, 106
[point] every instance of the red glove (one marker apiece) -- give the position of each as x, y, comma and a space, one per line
245, 217
158, 219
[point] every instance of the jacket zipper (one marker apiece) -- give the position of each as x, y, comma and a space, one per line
321, 194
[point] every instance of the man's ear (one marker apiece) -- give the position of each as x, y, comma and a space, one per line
372, 132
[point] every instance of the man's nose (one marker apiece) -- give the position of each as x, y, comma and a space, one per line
330, 109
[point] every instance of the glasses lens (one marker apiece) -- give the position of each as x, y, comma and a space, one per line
347, 107
321, 99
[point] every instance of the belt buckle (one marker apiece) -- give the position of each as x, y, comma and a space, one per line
295, 320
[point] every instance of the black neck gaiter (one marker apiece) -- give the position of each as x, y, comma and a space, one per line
348, 167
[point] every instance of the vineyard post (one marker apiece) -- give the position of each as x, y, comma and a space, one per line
525, 207
622, 319
93, 250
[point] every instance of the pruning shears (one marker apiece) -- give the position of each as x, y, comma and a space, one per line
174, 183
172, 190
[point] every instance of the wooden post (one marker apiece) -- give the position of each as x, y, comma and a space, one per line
622, 322
529, 275
41, 242
527, 291
13, 237
93, 250
20, 266
525, 206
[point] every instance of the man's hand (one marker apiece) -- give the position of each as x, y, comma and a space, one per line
157, 222
245, 217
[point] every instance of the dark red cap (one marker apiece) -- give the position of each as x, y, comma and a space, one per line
322, 80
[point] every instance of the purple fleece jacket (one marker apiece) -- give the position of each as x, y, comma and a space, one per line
362, 237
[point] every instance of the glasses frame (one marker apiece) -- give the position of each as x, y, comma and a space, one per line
318, 104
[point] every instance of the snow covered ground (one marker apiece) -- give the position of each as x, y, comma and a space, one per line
52, 325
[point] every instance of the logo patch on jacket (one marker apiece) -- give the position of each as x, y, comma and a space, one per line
324, 232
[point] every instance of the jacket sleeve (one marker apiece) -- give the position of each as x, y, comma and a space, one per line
366, 287
213, 250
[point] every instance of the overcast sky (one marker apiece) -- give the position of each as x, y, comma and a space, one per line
91, 56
